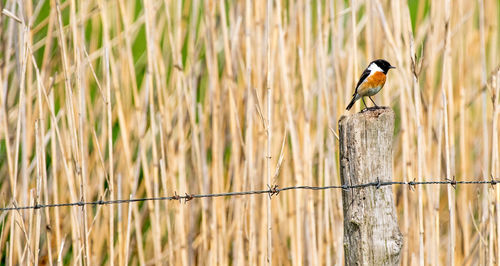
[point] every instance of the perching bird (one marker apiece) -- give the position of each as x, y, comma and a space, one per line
371, 81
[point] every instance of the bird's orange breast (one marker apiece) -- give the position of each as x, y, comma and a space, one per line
372, 84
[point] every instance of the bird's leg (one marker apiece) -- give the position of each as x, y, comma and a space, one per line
376, 106
366, 107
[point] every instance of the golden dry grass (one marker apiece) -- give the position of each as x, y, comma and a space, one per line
118, 99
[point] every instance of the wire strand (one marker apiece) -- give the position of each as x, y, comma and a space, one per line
272, 191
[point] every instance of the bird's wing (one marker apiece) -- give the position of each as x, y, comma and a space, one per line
365, 74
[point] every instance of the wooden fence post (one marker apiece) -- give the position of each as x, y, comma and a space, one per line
371, 232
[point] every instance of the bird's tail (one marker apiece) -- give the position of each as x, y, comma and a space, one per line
354, 98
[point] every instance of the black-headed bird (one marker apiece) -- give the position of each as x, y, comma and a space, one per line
371, 81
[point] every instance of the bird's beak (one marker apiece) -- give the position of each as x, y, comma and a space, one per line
392, 67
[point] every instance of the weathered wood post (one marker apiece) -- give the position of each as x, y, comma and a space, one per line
371, 232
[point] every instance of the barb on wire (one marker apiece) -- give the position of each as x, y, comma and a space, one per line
378, 183
493, 182
274, 190
189, 197
411, 185
453, 182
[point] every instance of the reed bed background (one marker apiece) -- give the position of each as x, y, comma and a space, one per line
118, 99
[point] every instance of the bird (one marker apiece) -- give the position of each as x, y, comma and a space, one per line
371, 81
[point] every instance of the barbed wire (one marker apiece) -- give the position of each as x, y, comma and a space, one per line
272, 191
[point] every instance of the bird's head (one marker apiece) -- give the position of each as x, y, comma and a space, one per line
382, 64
